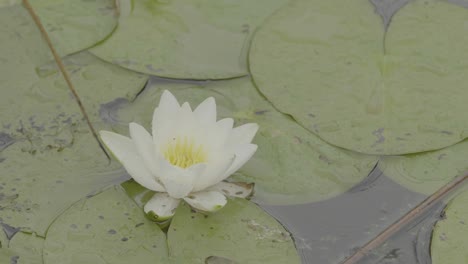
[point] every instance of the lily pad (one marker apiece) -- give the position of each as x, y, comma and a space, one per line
22, 249
27, 248
291, 164
241, 232
450, 236
49, 159
343, 79
198, 39
5, 3
74, 25
106, 228
429, 171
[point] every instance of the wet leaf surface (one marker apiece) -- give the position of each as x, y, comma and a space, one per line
357, 88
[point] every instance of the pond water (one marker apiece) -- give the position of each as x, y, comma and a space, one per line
326, 231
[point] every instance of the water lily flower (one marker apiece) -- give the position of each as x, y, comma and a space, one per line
187, 157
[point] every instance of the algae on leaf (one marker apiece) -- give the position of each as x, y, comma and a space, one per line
106, 228
240, 232
198, 39
291, 164
329, 65
450, 236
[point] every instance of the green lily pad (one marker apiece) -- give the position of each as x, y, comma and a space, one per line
6, 3
429, 171
8, 256
139, 194
106, 228
49, 159
196, 39
240, 233
74, 25
22, 249
291, 164
27, 248
450, 236
342, 79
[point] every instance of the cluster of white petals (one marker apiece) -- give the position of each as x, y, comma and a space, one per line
188, 156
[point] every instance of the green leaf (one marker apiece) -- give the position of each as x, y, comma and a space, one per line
240, 232
106, 228
22, 249
138, 193
329, 65
450, 236
28, 248
291, 164
49, 159
196, 39
6, 3
429, 171
74, 25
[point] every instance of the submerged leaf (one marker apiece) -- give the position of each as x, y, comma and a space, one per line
196, 39
291, 164
106, 228
239, 233
329, 65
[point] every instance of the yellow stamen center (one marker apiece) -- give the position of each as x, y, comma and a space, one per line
183, 152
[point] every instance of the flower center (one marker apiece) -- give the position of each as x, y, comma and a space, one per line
183, 152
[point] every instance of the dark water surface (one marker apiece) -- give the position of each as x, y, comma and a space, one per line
331, 230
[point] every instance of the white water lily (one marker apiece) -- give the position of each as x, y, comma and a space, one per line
188, 156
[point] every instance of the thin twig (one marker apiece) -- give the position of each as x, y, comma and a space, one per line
61, 66
406, 219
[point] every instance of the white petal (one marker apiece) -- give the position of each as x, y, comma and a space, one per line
226, 124
206, 201
206, 111
218, 134
165, 115
144, 145
216, 169
125, 151
161, 207
186, 120
233, 189
243, 154
183, 125
179, 182
242, 134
